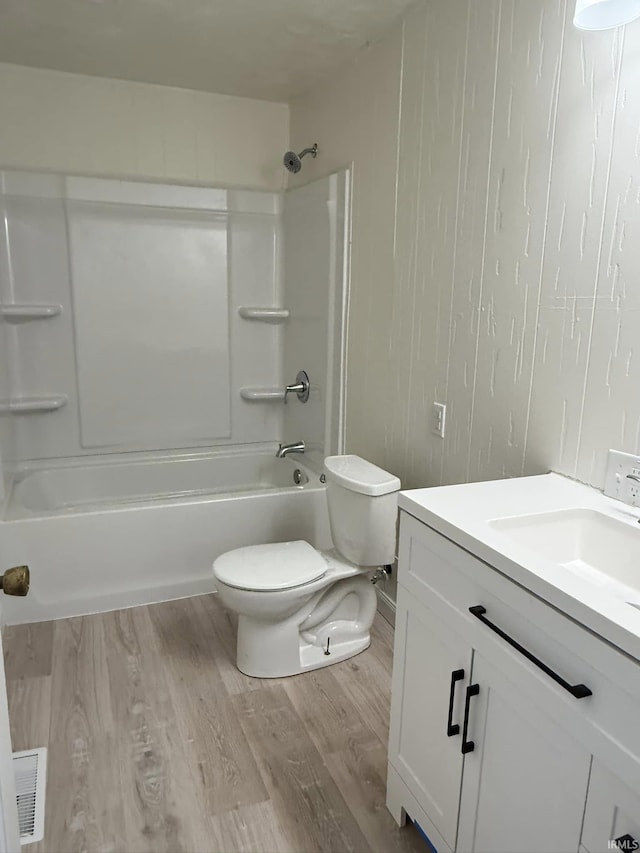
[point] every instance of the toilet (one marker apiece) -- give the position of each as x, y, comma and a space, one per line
299, 608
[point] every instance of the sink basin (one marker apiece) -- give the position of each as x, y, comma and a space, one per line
590, 544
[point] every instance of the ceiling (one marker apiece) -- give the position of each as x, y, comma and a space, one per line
270, 49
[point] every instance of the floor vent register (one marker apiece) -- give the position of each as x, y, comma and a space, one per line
30, 768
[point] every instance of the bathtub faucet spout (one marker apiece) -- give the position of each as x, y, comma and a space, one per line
286, 449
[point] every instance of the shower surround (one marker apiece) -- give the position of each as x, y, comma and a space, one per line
141, 388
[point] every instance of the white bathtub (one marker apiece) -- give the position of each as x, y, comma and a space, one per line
103, 536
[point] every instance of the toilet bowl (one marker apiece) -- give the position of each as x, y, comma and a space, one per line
299, 608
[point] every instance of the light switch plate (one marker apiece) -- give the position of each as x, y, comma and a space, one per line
616, 484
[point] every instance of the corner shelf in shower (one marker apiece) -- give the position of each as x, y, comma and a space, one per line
21, 312
32, 405
263, 315
262, 395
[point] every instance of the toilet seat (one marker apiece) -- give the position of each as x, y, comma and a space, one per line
268, 568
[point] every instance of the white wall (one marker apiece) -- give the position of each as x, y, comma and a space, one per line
512, 292
7, 435
75, 124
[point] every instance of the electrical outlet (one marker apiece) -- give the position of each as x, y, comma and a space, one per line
619, 482
439, 413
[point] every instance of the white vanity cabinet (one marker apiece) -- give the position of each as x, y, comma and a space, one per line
432, 663
497, 714
525, 782
612, 812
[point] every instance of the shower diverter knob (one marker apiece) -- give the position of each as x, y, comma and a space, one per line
300, 387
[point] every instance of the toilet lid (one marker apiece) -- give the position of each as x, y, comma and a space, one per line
270, 567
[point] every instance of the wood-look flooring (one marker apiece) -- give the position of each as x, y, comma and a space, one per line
158, 743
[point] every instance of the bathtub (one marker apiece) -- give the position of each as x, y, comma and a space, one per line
102, 536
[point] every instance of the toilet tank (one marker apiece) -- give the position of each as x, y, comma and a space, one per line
363, 505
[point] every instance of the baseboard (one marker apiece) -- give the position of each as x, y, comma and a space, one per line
386, 606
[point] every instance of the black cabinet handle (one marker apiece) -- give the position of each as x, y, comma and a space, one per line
577, 690
468, 745
453, 728
627, 842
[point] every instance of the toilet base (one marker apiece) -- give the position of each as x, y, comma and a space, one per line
310, 657
337, 620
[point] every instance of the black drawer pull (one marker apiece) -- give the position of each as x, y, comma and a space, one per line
627, 842
453, 728
577, 690
468, 745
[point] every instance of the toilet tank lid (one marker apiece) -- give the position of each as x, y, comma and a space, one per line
361, 476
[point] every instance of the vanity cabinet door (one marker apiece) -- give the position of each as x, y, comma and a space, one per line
431, 670
612, 813
525, 778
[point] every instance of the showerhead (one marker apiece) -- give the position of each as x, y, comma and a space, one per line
293, 161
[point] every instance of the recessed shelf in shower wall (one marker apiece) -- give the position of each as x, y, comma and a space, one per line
32, 405
262, 395
263, 315
21, 312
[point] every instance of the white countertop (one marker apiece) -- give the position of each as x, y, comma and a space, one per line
461, 513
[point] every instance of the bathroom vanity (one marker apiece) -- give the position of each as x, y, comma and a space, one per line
515, 720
